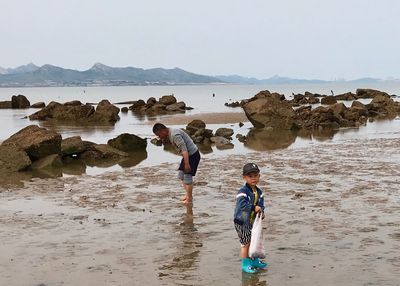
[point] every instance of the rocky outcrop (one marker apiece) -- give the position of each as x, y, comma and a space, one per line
37, 142
166, 104
345, 96
19, 101
75, 111
128, 143
270, 111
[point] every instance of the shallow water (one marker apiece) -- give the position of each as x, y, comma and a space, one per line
200, 97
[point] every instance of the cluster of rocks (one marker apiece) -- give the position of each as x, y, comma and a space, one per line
201, 135
18, 102
36, 148
75, 111
165, 105
306, 98
270, 110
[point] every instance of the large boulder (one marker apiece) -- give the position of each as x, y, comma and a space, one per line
137, 106
270, 112
383, 105
13, 159
105, 113
128, 142
328, 100
73, 146
338, 108
37, 142
5, 104
167, 99
19, 101
46, 112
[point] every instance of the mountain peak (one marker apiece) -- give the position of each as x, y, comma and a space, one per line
100, 67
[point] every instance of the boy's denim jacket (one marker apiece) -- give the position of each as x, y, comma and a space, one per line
245, 204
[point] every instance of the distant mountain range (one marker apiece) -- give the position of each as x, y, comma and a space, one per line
98, 75
102, 75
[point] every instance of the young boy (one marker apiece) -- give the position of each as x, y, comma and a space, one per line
249, 202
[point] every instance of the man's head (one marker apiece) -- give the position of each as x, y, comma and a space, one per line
251, 174
160, 130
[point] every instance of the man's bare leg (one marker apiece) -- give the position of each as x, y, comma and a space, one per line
189, 194
185, 196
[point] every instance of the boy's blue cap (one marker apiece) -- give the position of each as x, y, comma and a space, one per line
250, 168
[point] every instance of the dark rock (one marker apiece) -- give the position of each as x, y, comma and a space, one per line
241, 124
72, 146
369, 93
73, 103
124, 109
194, 126
151, 101
128, 142
224, 132
102, 151
233, 104
179, 106
345, 96
36, 142
19, 101
167, 99
38, 105
329, 100
13, 159
105, 113
137, 105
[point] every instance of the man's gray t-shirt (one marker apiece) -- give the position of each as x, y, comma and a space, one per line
182, 141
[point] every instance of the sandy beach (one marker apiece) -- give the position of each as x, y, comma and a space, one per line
332, 219
208, 118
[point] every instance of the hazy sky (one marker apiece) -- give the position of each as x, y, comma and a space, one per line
324, 39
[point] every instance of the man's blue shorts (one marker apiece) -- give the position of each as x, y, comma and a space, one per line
194, 160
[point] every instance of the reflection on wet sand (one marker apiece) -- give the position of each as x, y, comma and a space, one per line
184, 263
262, 139
252, 280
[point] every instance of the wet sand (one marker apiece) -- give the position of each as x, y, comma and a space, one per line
332, 219
208, 118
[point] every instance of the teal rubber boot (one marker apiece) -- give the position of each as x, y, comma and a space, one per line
247, 267
258, 263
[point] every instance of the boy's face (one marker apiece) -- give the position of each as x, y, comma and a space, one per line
252, 178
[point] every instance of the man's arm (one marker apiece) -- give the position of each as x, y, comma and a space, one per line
186, 167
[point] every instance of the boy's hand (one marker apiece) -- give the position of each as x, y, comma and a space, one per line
257, 209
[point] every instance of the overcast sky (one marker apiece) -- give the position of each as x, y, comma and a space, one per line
324, 39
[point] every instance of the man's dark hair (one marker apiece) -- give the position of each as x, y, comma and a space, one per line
158, 127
